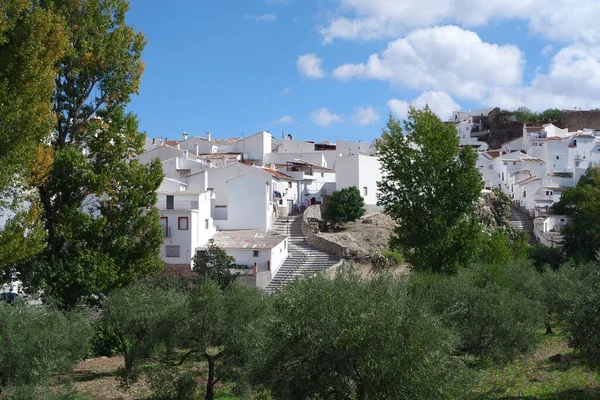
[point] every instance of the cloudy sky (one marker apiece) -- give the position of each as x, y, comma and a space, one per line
328, 69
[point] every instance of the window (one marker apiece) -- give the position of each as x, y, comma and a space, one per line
289, 185
164, 224
365, 191
524, 193
557, 157
183, 223
200, 253
255, 253
206, 224
322, 174
170, 202
503, 176
172, 251
285, 244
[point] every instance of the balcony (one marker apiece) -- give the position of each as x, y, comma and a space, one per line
166, 231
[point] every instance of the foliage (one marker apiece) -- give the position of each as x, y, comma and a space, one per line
143, 319
36, 342
495, 310
345, 205
393, 257
584, 320
214, 264
525, 115
503, 245
31, 42
98, 204
582, 204
431, 189
345, 338
543, 256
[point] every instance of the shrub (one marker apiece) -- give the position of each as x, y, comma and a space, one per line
347, 338
394, 257
344, 206
36, 342
488, 309
543, 256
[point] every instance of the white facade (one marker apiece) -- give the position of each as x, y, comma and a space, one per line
361, 171
186, 223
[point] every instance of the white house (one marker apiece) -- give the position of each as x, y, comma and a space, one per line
361, 171
262, 251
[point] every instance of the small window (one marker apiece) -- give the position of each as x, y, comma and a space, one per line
289, 185
206, 224
524, 193
255, 253
183, 223
285, 244
200, 253
557, 157
322, 174
172, 251
170, 202
365, 191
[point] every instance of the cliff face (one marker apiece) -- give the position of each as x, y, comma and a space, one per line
576, 120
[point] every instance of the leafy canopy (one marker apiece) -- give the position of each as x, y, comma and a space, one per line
430, 188
582, 204
345, 205
97, 203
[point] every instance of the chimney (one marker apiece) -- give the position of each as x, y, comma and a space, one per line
178, 146
197, 146
184, 135
208, 136
282, 135
273, 166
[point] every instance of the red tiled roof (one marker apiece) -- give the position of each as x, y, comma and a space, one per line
172, 143
277, 174
494, 153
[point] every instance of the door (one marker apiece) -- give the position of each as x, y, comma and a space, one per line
290, 207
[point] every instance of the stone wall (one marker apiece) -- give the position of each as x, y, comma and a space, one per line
577, 120
311, 220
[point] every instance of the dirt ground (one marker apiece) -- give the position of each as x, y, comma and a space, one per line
368, 234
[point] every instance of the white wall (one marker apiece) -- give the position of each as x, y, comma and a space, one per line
247, 204
316, 158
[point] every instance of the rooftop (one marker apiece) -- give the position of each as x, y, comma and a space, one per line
277, 174
254, 239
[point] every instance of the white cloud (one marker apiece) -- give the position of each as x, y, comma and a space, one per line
310, 66
286, 119
262, 18
371, 19
323, 117
445, 58
573, 80
286, 90
365, 116
440, 103
547, 50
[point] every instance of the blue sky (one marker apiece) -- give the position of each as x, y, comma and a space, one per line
328, 69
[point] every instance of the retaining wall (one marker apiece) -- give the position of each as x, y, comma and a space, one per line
311, 220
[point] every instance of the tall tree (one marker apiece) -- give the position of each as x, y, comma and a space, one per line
98, 204
32, 40
582, 204
430, 188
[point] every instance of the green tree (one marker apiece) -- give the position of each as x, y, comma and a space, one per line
98, 204
144, 319
214, 264
32, 41
550, 115
223, 328
36, 342
345, 338
495, 310
344, 206
582, 204
431, 189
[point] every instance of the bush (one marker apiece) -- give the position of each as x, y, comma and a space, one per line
143, 318
394, 257
543, 256
36, 342
346, 338
344, 206
488, 309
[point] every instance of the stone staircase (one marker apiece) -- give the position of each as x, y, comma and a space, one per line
302, 260
522, 222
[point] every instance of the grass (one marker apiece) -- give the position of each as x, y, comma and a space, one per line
536, 377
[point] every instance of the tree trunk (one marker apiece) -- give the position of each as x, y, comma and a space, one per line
210, 384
